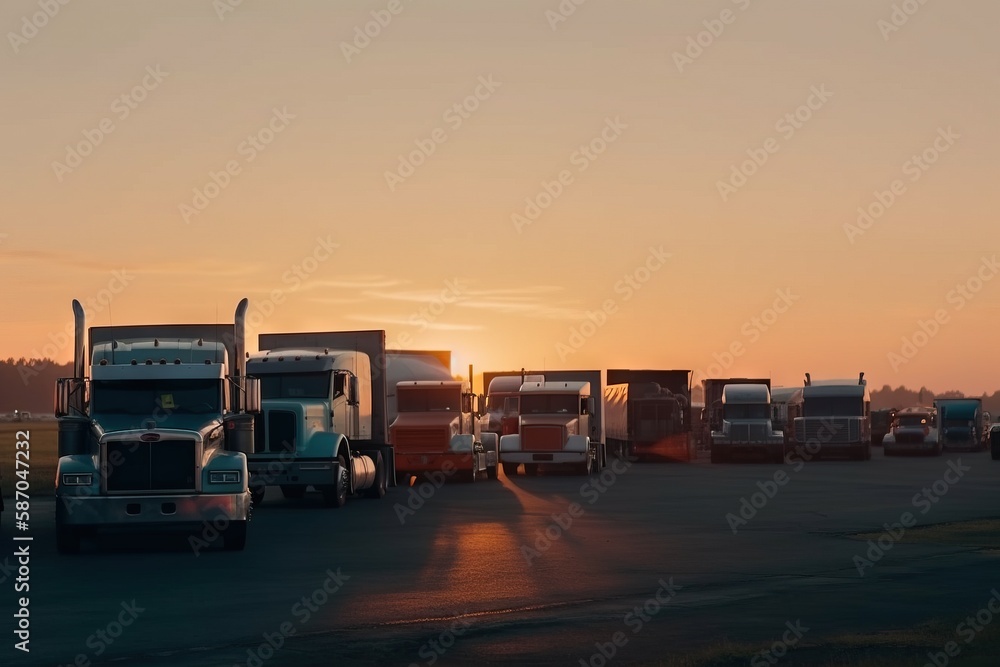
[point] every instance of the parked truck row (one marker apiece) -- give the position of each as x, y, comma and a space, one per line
170, 427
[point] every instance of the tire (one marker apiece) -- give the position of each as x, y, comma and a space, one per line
995, 453
937, 450
887, 451
377, 489
867, 453
335, 495
67, 540
403, 478
469, 476
293, 492
235, 536
493, 472
257, 492
531, 469
510, 469
717, 456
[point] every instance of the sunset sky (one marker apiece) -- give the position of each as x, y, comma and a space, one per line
608, 119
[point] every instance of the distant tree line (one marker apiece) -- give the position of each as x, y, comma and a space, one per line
28, 384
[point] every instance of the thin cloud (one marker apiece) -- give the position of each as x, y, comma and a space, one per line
436, 326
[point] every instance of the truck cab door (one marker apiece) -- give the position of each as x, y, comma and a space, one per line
340, 410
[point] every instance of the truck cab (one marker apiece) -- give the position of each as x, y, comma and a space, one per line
836, 418
912, 430
156, 437
746, 425
960, 423
553, 429
438, 428
316, 403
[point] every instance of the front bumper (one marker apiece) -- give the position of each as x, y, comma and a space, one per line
544, 457
157, 512
292, 473
429, 462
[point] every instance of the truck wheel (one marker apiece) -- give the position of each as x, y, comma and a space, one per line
509, 469
403, 478
493, 472
257, 493
377, 489
531, 469
867, 453
995, 453
293, 492
335, 495
235, 536
937, 450
67, 540
470, 475
717, 456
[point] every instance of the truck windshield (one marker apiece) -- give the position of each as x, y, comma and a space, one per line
746, 411
833, 406
429, 399
149, 397
549, 404
295, 385
912, 420
496, 402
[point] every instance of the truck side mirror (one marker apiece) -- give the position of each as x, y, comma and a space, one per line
352, 391
252, 397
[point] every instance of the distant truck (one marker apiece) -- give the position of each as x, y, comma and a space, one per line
559, 425
641, 420
502, 401
960, 423
711, 416
324, 416
746, 425
647, 420
786, 405
913, 430
438, 428
836, 419
160, 440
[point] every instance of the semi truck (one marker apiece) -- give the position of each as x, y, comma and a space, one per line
502, 400
156, 437
647, 414
913, 430
960, 423
746, 425
559, 424
711, 416
324, 422
836, 419
882, 420
438, 427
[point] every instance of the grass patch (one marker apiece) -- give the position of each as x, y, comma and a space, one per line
43, 456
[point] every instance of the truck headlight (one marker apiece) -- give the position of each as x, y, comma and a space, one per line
77, 479
224, 477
